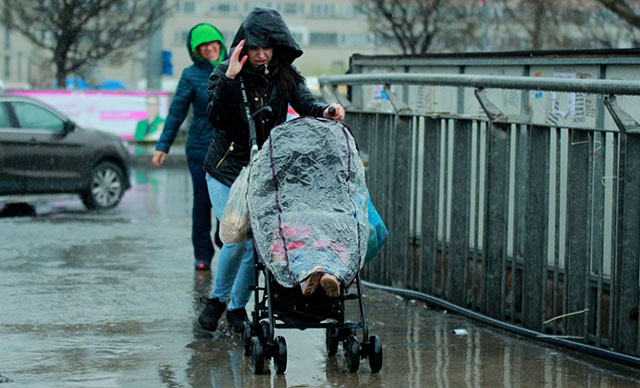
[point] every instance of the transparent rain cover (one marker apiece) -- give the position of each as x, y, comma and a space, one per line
307, 201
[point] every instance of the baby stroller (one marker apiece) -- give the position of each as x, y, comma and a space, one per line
307, 206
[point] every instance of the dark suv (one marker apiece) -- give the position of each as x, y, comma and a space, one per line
43, 152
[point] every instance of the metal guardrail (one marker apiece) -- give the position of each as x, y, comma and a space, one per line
532, 224
594, 86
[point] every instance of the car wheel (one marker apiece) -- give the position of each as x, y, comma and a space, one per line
106, 187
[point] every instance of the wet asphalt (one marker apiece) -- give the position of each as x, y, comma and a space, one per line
110, 300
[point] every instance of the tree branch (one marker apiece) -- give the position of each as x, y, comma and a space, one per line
623, 10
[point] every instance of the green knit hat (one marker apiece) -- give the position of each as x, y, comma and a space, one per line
203, 33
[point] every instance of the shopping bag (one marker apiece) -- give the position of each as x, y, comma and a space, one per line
378, 232
234, 226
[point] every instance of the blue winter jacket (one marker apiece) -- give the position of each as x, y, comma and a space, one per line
191, 90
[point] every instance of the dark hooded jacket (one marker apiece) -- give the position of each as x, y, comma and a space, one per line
229, 150
192, 89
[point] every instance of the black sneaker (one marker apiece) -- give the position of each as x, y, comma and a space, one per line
209, 317
236, 319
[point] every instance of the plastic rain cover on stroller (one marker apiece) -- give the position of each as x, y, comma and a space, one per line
307, 202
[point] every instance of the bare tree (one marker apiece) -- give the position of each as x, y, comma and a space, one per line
420, 26
532, 24
604, 29
80, 32
624, 9
568, 24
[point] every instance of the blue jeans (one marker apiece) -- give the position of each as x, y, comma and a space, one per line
235, 271
200, 214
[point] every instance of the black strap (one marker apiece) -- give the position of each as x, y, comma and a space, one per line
252, 126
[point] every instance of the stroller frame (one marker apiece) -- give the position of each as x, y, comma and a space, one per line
258, 335
296, 312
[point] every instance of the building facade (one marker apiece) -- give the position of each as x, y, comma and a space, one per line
329, 32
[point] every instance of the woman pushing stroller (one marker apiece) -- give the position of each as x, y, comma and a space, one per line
263, 50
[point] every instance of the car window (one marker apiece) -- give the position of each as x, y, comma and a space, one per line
5, 121
33, 116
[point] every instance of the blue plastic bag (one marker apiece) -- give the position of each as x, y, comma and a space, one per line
378, 232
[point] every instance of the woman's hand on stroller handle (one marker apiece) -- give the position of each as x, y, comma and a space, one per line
334, 112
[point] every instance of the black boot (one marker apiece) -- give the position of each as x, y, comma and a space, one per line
236, 319
209, 317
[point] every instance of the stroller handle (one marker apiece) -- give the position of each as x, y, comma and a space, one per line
265, 108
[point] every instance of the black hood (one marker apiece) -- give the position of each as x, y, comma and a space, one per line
265, 27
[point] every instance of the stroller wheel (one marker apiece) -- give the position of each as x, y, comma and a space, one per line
246, 338
257, 356
280, 356
375, 354
352, 353
331, 339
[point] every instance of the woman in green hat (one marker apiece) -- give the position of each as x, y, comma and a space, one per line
207, 49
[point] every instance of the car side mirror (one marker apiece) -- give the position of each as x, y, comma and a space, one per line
69, 126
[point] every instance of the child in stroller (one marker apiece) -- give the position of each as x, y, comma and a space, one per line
307, 205
301, 250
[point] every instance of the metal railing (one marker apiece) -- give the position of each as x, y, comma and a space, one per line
532, 224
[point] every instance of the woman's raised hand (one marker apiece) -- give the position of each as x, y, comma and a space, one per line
235, 62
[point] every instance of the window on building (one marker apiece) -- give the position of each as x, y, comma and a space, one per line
300, 34
224, 8
323, 39
250, 5
299, 37
180, 37
322, 10
360, 40
291, 8
186, 7
351, 11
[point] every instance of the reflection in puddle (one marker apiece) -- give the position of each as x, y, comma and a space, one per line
421, 349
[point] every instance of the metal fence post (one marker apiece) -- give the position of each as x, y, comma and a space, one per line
493, 265
577, 267
535, 260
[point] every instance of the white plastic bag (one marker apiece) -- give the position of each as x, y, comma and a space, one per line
234, 226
